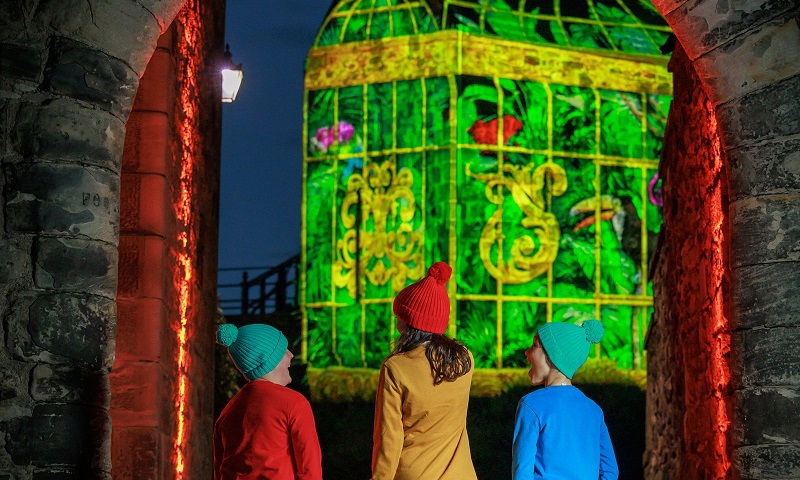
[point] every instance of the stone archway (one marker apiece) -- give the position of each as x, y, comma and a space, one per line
746, 60
70, 70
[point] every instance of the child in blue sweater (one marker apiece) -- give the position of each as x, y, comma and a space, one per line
559, 432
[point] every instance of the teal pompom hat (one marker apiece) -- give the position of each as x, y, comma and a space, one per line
255, 349
567, 344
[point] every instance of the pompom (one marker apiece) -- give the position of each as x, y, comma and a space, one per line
594, 331
441, 272
226, 334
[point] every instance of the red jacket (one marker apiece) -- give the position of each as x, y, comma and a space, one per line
266, 432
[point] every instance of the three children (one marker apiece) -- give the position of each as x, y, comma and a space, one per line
267, 430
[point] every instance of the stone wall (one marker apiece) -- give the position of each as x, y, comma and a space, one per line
689, 389
169, 156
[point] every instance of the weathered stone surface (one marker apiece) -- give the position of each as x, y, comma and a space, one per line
64, 129
145, 199
13, 390
773, 46
15, 261
54, 384
147, 143
770, 113
763, 416
135, 30
78, 327
703, 25
142, 330
79, 443
137, 388
156, 90
62, 198
767, 295
20, 62
61, 473
83, 73
76, 264
767, 462
765, 229
767, 169
766, 356
134, 452
142, 260
61, 328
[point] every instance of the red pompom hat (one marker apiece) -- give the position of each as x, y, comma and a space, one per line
424, 305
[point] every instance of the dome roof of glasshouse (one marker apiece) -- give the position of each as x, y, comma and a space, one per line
627, 26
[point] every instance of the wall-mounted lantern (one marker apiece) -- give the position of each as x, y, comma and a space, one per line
231, 77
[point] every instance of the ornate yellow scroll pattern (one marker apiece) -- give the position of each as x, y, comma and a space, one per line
526, 184
385, 196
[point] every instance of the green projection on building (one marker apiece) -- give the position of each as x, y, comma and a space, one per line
517, 141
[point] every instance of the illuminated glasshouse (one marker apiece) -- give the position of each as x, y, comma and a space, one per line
515, 140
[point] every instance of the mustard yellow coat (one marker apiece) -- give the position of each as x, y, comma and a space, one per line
420, 430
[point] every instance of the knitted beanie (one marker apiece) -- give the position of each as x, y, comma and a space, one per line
424, 305
255, 349
567, 344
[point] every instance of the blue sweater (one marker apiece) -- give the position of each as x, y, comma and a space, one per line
560, 434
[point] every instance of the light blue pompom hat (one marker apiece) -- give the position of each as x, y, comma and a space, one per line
255, 349
568, 344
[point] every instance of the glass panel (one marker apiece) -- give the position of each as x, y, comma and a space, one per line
621, 230
574, 119
348, 335
379, 117
520, 321
621, 124
320, 350
409, 114
319, 234
319, 121
616, 343
476, 326
378, 333
437, 111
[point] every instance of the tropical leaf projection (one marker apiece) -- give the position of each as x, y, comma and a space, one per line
541, 191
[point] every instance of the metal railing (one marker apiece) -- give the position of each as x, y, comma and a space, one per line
262, 290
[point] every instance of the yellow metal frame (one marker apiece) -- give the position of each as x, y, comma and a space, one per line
450, 54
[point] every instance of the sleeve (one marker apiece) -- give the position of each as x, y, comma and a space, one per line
387, 433
608, 461
526, 434
305, 443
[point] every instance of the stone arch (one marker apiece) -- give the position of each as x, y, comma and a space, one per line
745, 57
70, 70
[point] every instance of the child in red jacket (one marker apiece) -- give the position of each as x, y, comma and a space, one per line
267, 430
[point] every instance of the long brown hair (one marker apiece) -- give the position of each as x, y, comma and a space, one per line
449, 358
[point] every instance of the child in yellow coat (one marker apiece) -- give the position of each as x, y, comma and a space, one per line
420, 429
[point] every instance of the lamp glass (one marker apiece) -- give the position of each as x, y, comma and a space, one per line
231, 81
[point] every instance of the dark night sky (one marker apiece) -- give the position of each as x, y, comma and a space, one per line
262, 130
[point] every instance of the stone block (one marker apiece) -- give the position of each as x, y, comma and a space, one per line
156, 91
142, 323
62, 328
15, 265
146, 205
134, 452
84, 73
32, 440
770, 113
767, 462
767, 169
124, 30
702, 26
766, 357
148, 137
20, 62
762, 416
142, 267
76, 265
62, 198
64, 129
766, 295
137, 389
773, 47
765, 230
57, 384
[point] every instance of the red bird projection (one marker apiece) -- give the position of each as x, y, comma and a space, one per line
486, 132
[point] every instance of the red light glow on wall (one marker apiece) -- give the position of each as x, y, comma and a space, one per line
719, 328
188, 52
